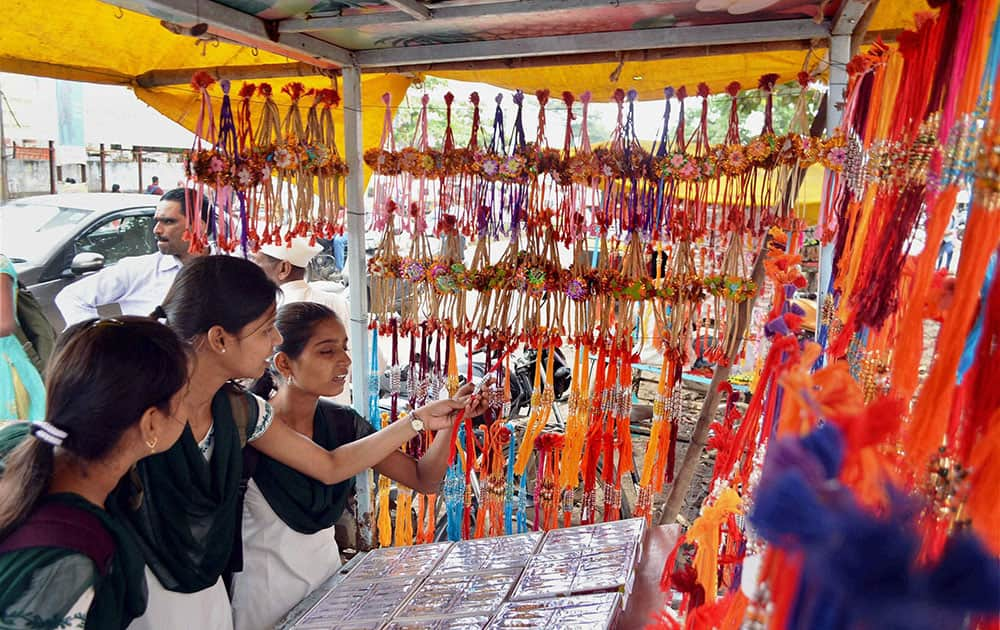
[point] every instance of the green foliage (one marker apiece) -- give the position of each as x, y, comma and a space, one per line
750, 108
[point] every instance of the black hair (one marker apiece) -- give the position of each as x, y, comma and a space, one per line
297, 323
85, 399
216, 291
180, 195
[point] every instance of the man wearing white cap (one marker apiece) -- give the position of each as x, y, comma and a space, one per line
286, 266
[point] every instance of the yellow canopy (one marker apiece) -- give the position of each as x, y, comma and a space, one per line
87, 40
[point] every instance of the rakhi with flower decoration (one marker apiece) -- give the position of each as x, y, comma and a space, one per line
326, 165
293, 167
228, 219
250, 169
203, 166
384, 162
268, 142
384, 268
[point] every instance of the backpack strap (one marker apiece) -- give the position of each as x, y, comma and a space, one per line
65, 527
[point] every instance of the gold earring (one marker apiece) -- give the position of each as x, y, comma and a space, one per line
152, 444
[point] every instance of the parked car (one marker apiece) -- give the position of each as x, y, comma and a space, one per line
54, 240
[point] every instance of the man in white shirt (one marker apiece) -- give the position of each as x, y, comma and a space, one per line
137, 284
286, 266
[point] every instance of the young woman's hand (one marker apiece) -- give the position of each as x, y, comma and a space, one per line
440, 414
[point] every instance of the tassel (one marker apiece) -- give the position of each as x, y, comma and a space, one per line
384, 516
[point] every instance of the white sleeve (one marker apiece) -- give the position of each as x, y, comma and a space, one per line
265, 414
79, 301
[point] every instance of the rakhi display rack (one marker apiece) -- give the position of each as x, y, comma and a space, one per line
374, 589
580, 612
573, 578
586, 559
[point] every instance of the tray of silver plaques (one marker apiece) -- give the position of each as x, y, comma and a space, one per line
587, 559
489, 554
396, 562
457, 594
464, 622
596, 611
358, 604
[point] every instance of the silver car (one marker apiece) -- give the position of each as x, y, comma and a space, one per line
54, 240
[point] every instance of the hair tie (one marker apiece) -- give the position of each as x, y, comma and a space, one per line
159, 313
48, 433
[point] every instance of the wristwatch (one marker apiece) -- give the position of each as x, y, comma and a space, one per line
416, 423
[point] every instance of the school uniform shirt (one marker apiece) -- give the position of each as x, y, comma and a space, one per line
137, 284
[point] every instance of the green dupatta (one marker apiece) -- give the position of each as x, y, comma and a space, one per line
183, 509
304, 504
119, 596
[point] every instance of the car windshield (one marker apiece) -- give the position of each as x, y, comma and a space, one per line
28, 231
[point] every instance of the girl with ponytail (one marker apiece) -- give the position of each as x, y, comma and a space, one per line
185, 505
112, 391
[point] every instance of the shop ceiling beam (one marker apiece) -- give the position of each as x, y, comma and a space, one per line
644, 39
415, 9
848, 16
250, 30
444, 11
686, 52
180, 76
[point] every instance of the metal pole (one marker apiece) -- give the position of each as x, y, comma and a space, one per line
839, 55
104, 172
3, 155
358, 287
138, 156
52, 167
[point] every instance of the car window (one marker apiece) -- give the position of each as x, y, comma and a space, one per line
118, 237
29, 231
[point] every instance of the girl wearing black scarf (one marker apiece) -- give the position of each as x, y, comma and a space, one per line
112, 392
183, 505
288, 518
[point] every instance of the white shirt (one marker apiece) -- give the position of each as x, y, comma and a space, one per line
137, 284
301, 291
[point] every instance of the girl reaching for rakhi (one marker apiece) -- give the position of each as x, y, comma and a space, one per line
288, 518
184, 505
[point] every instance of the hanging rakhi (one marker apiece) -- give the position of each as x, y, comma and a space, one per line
268, 144
654, 453
595, 431
583, 170
227, 217
203, 166
251, 169
490, 520
450, 188
330, 169
618, 436
414, 270
547, 503
385, 271
298, 174
578, 413
384, 163
471, 166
